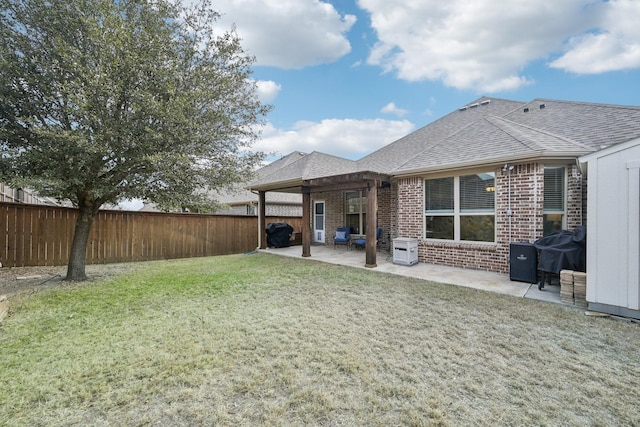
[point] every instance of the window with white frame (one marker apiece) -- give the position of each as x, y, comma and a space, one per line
356, 211
461, 207
554, 210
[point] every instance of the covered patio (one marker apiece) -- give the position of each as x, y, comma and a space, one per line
320, 173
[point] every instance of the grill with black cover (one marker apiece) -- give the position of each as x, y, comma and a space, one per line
562, 250
278, 234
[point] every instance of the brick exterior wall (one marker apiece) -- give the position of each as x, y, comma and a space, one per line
526, 182
410, 207
576, 198
335, 211
401, 214
387, 216
527, 200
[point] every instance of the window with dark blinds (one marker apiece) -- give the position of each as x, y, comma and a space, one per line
477, 193
439, 195
554, 189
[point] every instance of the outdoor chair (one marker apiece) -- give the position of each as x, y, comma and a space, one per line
342, 237
361, 243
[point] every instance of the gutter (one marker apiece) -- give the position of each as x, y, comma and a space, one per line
497, 162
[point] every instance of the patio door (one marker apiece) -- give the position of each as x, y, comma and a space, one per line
318, 222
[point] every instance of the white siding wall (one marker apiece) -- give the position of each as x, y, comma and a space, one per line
613, 216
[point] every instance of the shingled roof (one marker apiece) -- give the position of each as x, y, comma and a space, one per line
485, 131
392, 157
240, 196
491, 140
310, 166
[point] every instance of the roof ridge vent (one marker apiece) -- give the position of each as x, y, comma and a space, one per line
485, 102
474, 105
463, 108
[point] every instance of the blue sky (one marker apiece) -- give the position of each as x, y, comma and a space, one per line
346, 77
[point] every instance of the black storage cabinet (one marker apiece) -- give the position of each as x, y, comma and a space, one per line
278, 234
523, 262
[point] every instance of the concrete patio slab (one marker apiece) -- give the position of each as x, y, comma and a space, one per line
477, 279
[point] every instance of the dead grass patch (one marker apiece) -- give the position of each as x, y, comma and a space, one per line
267, 340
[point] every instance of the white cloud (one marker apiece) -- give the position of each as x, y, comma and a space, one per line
483, 46
267, 90
615, 47
392, 108
352, 139
288, 33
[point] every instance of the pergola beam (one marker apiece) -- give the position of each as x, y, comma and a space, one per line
262, 220
306, 224
372, 219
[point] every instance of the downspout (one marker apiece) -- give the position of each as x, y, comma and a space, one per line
508, 168
509, 211
581, 175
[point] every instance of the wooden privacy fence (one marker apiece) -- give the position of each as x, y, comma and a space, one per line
36, 235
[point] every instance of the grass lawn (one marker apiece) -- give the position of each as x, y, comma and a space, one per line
267, 340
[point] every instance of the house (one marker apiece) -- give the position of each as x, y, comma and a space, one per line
19, 195
613, 235
467, 185
244, 202
241, 201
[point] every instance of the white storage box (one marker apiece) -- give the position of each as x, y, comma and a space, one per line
405, 251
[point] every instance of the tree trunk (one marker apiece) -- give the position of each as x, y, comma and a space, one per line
78, 256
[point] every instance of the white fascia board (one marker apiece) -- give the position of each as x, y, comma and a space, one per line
609, 150
570, 156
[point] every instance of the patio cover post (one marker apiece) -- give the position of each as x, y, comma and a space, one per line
262, 220
306, 222
372, 220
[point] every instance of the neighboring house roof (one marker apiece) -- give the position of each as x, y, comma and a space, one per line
486, 131
242, 196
